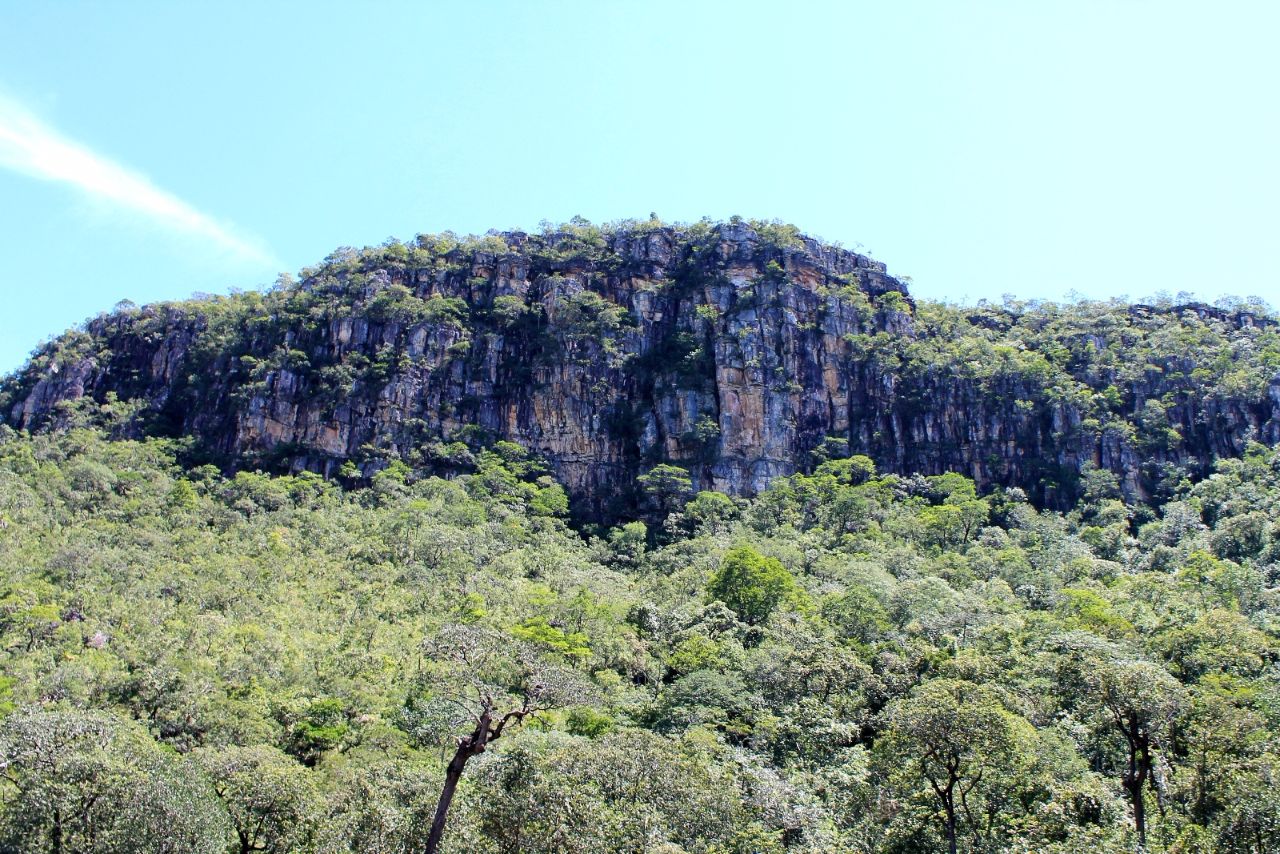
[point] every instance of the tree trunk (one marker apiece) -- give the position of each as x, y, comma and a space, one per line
951, 829
947, 797
451, 777
1139, 810
1136, 777
467, 747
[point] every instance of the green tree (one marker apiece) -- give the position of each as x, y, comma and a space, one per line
666, 485
488, 683
88, 782
955, 520
322, 726
270, 798
1139, 700
752, 585
711, 511
858, 615
953, 733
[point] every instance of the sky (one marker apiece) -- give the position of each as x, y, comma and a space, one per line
1047, 150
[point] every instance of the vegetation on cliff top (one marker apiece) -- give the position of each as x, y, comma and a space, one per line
460, 327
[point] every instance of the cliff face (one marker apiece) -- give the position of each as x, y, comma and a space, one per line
733, 350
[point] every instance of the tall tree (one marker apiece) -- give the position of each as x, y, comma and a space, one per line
752, 584
87, 781
492, 683
955, 733
269, 796
1140, 699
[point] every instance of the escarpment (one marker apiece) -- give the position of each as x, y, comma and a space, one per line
739, 351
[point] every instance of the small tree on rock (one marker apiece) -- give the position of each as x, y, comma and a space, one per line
666, 485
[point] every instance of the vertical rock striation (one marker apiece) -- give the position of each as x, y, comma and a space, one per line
733, 349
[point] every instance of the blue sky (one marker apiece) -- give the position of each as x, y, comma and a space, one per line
152, 150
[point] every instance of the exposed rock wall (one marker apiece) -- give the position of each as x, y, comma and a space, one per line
726, 351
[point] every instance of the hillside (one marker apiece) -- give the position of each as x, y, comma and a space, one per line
739, 351
195, 663
705, 539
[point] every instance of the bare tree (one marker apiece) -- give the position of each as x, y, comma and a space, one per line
491, 682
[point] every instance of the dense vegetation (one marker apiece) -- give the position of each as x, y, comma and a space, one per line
851, 661
206, 647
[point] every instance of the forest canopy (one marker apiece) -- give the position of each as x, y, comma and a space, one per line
850, 661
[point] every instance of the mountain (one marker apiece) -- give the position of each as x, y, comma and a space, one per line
740, 351
426, 652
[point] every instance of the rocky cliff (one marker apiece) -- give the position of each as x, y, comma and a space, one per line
737, 350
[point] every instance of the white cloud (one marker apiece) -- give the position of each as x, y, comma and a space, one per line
30, 146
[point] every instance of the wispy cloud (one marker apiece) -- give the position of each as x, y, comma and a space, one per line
30, 146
